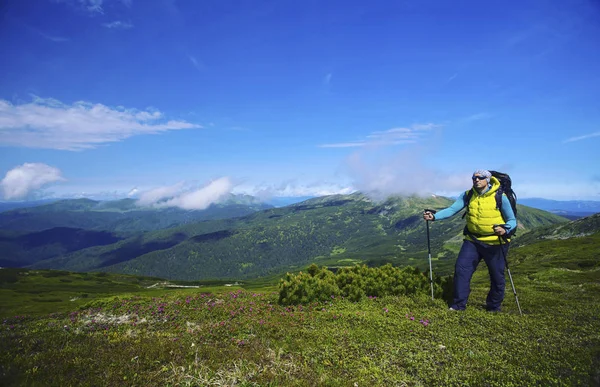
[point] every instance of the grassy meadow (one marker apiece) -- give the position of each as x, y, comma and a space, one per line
124, 333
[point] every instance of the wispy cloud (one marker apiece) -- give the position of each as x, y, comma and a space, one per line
118, 25
453, 77
21, 181
196, 63
404, 173
394, 136
48, 36
54, 38
200, 199
134, 191
584, 137
155, 195
51, 124
327, 79
476, 117
92, 6
294, 189
190, 199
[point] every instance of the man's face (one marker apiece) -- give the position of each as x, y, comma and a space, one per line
479, 181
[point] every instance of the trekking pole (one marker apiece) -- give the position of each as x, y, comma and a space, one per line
509, 275
429, 252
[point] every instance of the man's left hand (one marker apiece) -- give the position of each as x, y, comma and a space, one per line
499, 230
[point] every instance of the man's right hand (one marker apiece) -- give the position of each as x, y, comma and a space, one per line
427, 215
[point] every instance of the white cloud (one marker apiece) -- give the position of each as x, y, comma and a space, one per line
92, 6
201, 198
450, 79
294, 189
54, 38
48, 36
118, 25
20, 181
189, 199
476, 117
48, 123
196, 63
404, 173
394, 136
155, 195
134, 191
596, 134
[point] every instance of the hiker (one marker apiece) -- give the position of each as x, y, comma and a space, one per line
486, 237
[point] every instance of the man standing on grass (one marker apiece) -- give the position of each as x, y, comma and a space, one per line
486, 225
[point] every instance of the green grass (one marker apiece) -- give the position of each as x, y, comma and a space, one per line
124, 333
228, 336
41, 292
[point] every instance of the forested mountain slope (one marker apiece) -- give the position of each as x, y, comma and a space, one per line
332, 230
122, 216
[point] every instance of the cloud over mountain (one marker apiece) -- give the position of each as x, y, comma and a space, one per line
21, 181
188, 199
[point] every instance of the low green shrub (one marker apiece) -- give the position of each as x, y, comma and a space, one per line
354, 283
318, 284
9, 276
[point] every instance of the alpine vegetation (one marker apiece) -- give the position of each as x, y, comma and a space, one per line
353, 283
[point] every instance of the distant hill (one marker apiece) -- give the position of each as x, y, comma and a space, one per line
286, 201
120, 215
335, 230
575, 229
571, 209
7, 206
18, 250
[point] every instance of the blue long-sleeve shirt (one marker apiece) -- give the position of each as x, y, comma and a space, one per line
507, 213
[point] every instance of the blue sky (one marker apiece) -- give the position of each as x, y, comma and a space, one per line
187, 100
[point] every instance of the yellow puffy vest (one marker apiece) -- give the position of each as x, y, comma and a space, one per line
482, 214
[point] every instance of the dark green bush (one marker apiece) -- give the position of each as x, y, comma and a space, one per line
318, 284
10, 275
354, 283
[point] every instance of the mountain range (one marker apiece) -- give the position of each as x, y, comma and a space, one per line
123, 215
240, 239
571, 209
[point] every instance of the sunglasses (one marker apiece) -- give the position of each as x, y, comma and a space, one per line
478, 178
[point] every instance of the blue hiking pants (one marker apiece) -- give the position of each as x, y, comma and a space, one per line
470, 255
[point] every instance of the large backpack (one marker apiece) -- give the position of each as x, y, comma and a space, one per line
505, 188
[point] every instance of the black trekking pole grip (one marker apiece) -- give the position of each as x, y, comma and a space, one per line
428, 243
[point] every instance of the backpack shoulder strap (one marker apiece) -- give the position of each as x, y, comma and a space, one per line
467, 199
499, 194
